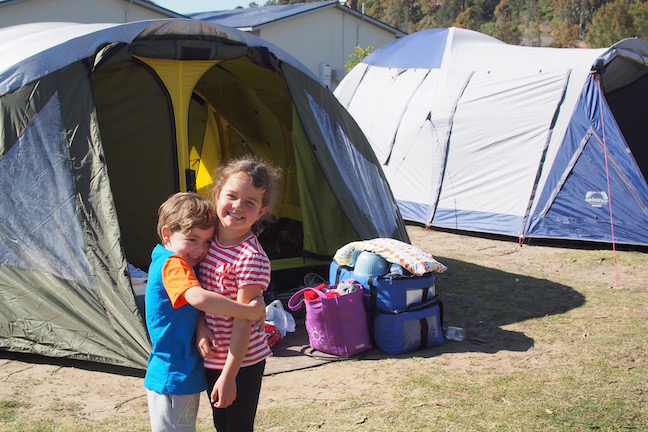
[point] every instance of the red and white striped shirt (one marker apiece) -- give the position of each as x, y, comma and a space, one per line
225, 270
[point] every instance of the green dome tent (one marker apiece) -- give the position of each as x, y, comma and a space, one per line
100, 123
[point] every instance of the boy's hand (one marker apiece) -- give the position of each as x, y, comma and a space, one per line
206, 347
205, 339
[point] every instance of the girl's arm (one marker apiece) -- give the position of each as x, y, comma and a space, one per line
224, 391
209, 301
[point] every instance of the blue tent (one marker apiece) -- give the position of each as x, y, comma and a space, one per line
478, 135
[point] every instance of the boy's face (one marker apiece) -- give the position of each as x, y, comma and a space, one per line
193, 247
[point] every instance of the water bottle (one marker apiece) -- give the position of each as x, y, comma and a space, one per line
455, 333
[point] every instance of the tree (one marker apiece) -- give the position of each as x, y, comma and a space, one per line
611, 23
464, 20
534, 30
357, 56
484, 10
402, 14
568, 22
577, 12
565, 36
505, 29
639, 13
446, 14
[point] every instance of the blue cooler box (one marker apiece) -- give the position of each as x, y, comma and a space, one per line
416, 328
388, 293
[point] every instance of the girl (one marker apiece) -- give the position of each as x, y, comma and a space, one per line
174, 298
237, 267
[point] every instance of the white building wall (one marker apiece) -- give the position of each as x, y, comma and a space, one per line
82, 11
328, 37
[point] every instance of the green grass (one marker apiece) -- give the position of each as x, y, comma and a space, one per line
8, 410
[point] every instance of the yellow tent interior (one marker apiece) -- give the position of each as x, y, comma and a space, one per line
172, 132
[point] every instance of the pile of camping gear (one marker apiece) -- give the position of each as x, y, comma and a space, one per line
381, 293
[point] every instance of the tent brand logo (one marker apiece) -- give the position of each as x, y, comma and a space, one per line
596, 198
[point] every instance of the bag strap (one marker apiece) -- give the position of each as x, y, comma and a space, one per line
373, 292
424, 323
424, 333
422, 305
300, 293
338, 272
424, 293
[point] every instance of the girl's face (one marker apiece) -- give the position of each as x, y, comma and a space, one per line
193, 247
238, 205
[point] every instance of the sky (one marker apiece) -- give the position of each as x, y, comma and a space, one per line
188, 6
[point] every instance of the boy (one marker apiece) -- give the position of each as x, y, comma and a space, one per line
174, 299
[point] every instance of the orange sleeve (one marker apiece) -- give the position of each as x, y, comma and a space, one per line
178, 277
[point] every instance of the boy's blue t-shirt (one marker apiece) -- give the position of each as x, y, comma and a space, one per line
174, 364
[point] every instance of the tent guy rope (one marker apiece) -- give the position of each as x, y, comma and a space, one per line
607, 176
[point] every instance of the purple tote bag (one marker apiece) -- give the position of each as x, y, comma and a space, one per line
335, 325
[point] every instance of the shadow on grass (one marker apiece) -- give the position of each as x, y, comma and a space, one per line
38, 359
482, 300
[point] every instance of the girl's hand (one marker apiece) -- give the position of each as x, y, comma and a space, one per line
224, 392
260, 308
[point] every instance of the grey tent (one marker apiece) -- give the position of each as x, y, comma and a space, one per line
534, 143
99, 123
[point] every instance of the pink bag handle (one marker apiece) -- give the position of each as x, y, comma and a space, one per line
291, 302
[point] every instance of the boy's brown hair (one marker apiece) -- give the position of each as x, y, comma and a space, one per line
184, 211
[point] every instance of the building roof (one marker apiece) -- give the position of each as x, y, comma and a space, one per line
252, 19
148, 4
